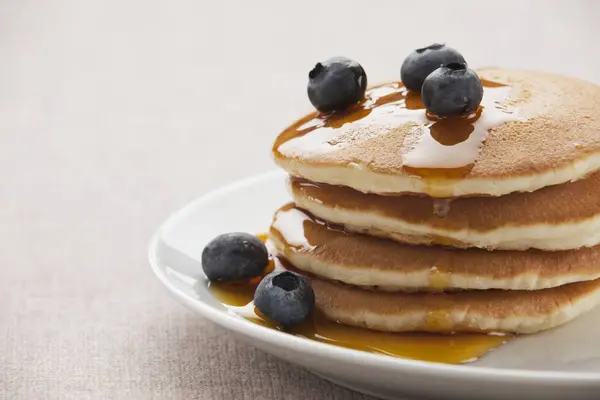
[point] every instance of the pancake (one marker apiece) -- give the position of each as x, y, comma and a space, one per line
534, 130
511, 311
559, 217
385, 265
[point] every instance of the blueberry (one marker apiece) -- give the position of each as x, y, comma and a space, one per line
452, 89
336, 84
285, 297
421, 62
234, 257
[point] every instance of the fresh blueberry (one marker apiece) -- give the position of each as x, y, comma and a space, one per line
452, 89
285, 297
336, 84
422, 62
234, 257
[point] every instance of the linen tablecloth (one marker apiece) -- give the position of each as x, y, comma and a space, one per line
115, 113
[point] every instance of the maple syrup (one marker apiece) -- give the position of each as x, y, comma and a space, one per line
451, 348
437, 151
390, 101
438, 280
441, 207
447, 148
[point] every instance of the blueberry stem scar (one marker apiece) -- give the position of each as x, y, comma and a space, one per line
454, 66
316, 70
286, 281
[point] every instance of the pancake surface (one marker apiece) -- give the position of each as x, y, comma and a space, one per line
361, 260
539, 130
558, 217
474, 311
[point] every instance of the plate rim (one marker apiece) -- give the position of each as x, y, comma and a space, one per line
294, 343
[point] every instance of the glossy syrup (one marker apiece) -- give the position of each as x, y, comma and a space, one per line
441, 207
387, 104
452, 348
447, 148
436, 150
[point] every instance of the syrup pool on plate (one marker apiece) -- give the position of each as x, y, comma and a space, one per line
451, 348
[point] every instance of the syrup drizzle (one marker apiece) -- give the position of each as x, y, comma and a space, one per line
441, 207
448, 147
388, 105
287, 223
435, 149
451, 348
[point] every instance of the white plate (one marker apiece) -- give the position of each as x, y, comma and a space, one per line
560, 364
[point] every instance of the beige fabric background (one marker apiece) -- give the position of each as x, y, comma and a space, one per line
115, 113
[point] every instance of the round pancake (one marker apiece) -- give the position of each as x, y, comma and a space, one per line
538, 130
385, 265
559, 217
511, 311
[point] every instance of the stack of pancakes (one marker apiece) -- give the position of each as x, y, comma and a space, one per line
487, 223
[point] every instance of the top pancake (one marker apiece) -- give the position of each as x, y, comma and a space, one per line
534, 130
